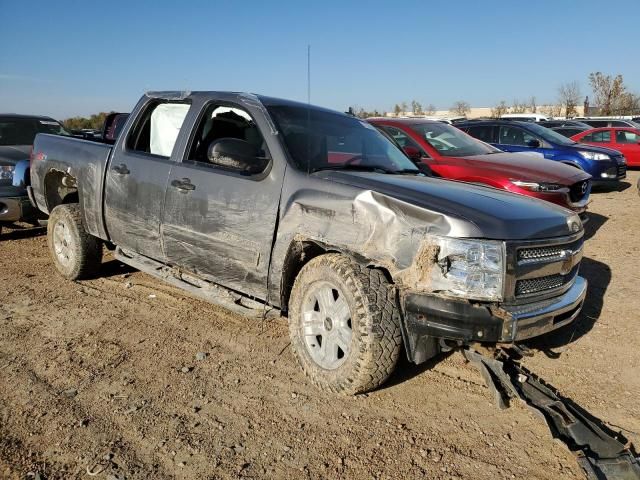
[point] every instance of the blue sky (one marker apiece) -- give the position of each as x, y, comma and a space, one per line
69, 58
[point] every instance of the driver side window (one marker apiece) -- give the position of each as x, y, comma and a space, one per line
515, 136
224, 129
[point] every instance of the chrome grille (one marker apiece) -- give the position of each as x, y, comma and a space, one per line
542, 269
535, 285
529, 255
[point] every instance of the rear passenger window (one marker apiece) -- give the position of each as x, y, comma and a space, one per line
618, 123
158, 128
223, 124
598, 137
482, 132
623, 136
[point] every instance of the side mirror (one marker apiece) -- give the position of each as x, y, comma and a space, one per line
533, 143
412, 152
237, 154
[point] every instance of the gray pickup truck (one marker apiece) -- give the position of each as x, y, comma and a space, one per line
268, 205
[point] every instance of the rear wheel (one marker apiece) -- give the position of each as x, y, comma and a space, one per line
76, 254
344, 325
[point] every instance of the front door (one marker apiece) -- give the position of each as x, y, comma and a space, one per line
219, 221
515, 139
136, 178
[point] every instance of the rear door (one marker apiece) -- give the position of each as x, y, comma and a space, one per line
137, 174
219, 222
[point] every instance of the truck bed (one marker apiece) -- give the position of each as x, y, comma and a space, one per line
84, 160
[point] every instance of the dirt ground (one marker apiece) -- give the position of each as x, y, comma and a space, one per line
126, 377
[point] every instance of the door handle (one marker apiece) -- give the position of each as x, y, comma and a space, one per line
121, 169
185, 185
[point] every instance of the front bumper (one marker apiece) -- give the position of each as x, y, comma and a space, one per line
430, 316
15, 205
614, 173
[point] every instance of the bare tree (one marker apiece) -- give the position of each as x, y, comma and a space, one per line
518, 107
630, 104
460, 107
416, 107
568, 98
397, 109
404, 107
608, 91
500, 109
532, 104
551, 110
431, 109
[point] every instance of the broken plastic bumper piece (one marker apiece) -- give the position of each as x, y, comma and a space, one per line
444, 317
602, 453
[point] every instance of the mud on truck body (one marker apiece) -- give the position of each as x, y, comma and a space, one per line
261, 203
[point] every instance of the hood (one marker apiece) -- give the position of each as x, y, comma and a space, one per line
12, 154
527, 166
494, 214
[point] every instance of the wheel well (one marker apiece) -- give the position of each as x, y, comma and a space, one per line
302, 252
299, 254
60, 188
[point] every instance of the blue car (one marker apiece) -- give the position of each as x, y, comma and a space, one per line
603, 164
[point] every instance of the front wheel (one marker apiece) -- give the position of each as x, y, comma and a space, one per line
344, 325
76, 254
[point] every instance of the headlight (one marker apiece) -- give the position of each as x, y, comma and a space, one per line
6, 172
538, 186
472, 269
594, 155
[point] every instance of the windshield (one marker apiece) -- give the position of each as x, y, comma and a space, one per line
549, 135
450, 141
322, 140
22, 131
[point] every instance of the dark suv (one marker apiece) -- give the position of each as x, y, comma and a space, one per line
16, 137
603, 164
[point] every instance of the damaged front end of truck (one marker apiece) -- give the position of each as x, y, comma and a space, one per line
457, 282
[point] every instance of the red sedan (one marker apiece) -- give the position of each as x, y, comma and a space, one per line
624, 139
451, 153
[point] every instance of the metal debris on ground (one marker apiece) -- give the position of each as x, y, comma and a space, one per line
602, 453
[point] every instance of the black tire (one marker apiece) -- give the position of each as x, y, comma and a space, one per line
376, 339
83, 251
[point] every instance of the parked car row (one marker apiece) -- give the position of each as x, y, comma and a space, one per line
451, 153
606, 166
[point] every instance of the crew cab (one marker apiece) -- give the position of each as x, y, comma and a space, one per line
451, 153
605, 166
269, 206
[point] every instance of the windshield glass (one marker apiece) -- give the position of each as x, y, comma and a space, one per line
450, 141
22, 131
322, 140
549, 135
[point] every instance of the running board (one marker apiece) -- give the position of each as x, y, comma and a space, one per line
602, 453
197, 286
